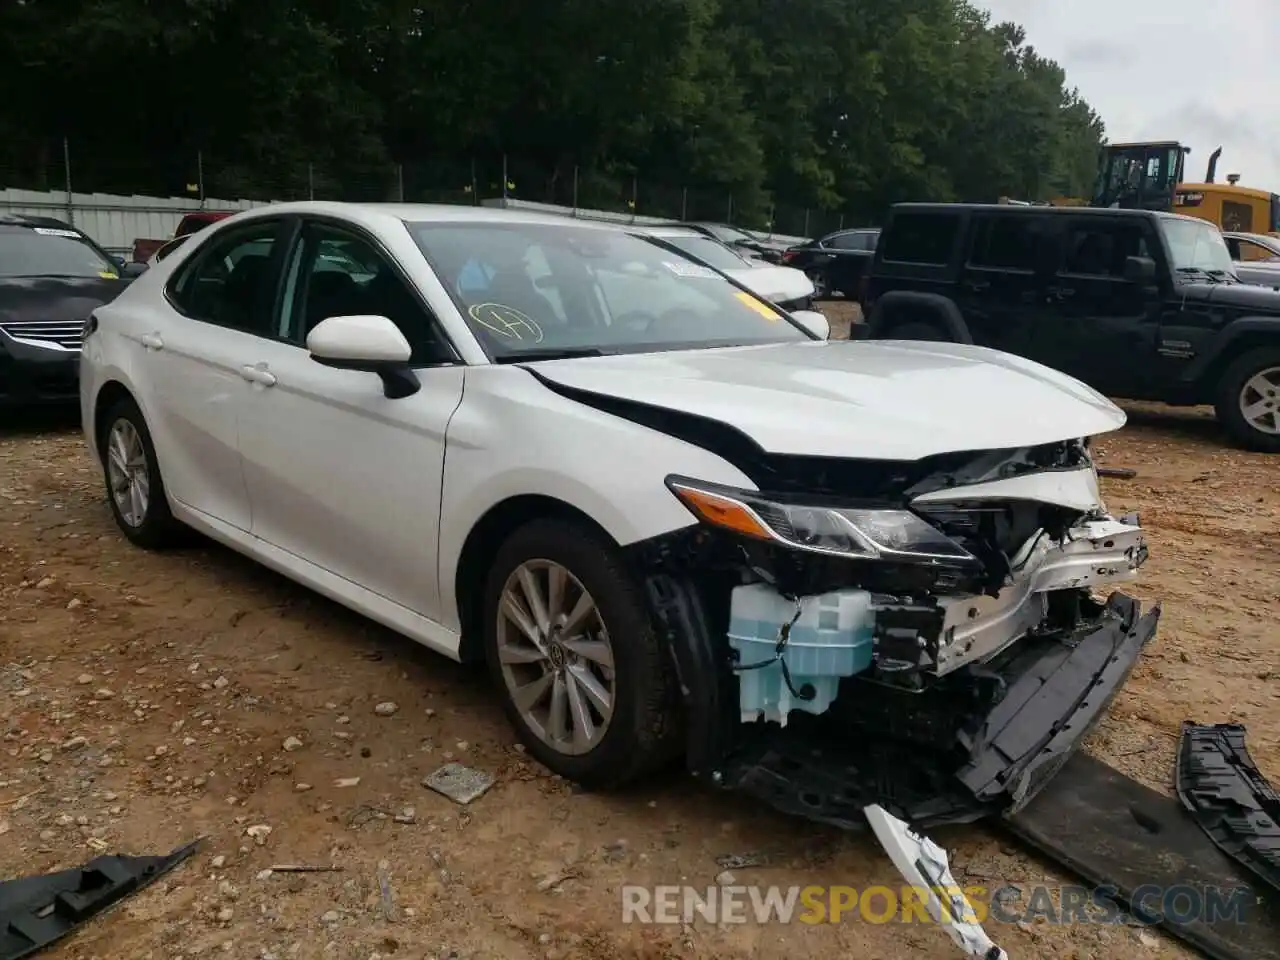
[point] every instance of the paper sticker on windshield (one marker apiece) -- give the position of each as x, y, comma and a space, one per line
758, 306
506, 322
690, 271
55, 232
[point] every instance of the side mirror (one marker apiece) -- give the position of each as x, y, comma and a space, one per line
368, 343
134, 268
814, 322
1140, 270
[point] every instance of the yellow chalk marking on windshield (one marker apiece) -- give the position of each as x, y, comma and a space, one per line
756, 305
506, 321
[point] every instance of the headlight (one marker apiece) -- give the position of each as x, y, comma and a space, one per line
856, 532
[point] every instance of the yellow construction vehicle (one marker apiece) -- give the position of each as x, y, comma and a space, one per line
1149, 176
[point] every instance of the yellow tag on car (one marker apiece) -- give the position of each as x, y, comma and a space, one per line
758, 306
108, 275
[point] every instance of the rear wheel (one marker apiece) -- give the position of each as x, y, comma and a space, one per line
135, 489
1248, 401
568, 639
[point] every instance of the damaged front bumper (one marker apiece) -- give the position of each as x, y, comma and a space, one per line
1002, 690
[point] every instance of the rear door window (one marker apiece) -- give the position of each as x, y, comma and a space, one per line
1007, 242
920, 237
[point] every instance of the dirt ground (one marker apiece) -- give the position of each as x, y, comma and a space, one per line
147, 699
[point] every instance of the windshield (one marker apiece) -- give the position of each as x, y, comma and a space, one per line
536, 289
711, 252
1196, 246
50, 252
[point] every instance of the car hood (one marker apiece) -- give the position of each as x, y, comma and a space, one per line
55, 299
1253, 294
879, 400
779, 284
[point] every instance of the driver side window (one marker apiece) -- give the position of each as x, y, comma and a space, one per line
335, 273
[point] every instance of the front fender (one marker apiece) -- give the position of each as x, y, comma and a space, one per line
1225, 343
513, 437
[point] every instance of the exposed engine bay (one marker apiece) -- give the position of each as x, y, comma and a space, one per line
923, 635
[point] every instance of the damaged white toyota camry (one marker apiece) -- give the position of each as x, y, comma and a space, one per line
673, 519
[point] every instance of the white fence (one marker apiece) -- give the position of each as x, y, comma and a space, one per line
115, 221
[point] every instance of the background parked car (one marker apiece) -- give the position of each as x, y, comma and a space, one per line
746, 243
52, 276
788, 288
1135, 303
837, 262
144, 250
1256, 256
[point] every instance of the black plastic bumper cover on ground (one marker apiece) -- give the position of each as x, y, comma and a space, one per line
816, 767
38, 911
1141, 850
1229, 797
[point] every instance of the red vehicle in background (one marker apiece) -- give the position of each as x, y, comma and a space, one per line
143, 249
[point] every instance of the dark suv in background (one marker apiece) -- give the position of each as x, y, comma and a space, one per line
1137, 304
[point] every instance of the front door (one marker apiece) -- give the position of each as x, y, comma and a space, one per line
191, 349
338, 474
1100, 327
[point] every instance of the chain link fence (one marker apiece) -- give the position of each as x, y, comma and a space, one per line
203, 180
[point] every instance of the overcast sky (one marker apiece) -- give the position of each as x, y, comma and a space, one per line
1205, 74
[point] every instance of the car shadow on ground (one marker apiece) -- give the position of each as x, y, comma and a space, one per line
51, 419
1178, 423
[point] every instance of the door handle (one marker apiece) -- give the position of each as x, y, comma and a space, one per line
258, 374
977, 286
1061, 293
152, 341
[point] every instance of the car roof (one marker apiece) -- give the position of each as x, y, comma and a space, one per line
419, 213
27, 220
1022, 211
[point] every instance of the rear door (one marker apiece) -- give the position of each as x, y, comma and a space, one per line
1100, 327
191, 350
1003, 280
850, 253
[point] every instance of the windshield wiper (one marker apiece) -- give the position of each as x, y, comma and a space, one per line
549, 353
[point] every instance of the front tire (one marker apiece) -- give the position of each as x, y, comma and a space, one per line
1248, 401
570, 644
135, 489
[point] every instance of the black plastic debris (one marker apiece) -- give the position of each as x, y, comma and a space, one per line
1139, 850
1229, 797
37, 911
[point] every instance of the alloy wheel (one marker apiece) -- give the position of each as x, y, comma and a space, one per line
128, 475
555, 656
1260, 401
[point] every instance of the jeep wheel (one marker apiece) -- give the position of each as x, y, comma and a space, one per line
1248, 403
568, 638
135, 489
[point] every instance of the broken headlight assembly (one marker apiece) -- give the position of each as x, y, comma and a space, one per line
859, 533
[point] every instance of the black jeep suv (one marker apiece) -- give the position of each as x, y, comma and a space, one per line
1137, 304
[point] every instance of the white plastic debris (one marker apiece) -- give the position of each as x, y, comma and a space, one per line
923, 864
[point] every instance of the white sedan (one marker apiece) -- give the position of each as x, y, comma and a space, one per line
672, 519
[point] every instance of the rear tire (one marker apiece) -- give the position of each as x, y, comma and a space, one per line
135, 489
1248, 400
549, 685
914, 330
